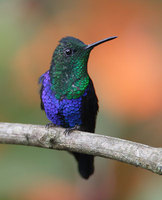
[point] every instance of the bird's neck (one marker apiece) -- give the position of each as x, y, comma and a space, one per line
68, 85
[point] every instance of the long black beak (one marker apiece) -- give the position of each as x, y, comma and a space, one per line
99, 42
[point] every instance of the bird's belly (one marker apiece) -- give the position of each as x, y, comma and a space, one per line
71, 111
65, 113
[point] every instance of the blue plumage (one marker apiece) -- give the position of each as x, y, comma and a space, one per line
65, 112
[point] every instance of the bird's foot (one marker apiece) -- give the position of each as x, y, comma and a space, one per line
50, 125
70, 130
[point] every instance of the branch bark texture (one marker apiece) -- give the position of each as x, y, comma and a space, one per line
137, 154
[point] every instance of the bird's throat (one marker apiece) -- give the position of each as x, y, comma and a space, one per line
66, 86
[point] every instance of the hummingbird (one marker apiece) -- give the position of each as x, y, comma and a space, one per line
67, 93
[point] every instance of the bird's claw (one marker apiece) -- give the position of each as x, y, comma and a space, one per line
70, 130
50, 125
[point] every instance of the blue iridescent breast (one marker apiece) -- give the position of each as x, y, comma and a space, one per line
65, 112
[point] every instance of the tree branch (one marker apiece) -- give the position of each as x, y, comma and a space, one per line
137, 154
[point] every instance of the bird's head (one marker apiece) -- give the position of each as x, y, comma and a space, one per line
68, 70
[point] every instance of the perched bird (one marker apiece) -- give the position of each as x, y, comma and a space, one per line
67, 93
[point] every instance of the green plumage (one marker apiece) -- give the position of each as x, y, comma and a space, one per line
69, 75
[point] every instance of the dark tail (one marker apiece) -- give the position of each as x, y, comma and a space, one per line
85, 164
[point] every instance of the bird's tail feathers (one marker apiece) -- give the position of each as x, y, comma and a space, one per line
85, 164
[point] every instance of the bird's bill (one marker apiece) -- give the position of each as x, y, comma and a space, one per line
99, 42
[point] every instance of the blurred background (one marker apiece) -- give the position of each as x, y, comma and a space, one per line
127, 75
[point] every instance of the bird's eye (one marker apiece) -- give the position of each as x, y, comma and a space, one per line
68, 51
